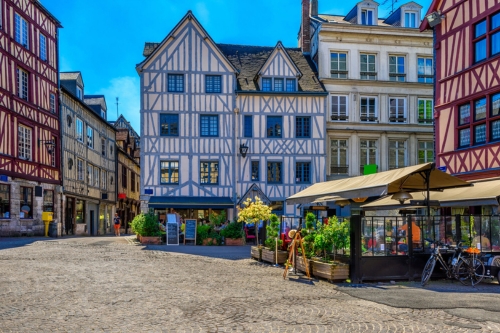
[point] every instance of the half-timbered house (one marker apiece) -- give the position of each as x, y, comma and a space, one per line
378, 74
88, 159
220, 122
30, 170
128, 176
467, 86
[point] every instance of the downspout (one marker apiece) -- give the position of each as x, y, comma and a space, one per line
61, 135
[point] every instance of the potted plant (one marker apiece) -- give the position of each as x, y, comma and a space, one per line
147, 227
271, 253
326, 238
254, 212
233, 234
206, 236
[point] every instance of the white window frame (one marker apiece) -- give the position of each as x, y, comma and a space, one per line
104, 179
90, 137
425, 148
397, 150
103, 114
399, 116
79, 130
97, 177
364, 159
425, 120
427, 76
397, 75
22, 83
43, 47
21, 31
79, 169
90, 174
365, 11
79, 92
335, 160
369, 118
339, 73
369, 75
338, 115
24, 142
416, 22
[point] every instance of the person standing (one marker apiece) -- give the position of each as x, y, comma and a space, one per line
117, 223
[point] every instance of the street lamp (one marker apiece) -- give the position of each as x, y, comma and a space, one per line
49, 144
243, 150
434, 18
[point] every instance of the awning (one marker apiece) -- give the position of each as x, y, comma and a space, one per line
408, 179
190, 202
483, 193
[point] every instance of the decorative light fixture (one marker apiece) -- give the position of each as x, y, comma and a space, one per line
434, 18
401, 196
243, 150
361, 199
49, 144
342, 202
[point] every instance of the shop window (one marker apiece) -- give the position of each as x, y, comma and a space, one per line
26, 203
48, 201
169, 172
4, 201
209, 173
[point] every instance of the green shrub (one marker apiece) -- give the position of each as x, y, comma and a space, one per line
233, 231
273, 232
145, 225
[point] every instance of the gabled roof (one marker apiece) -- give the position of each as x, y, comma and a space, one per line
70, 75
395, 17
339, 19
49, 14
152, 48
248, 60
354, 11
279, 46
122, 134
121, 122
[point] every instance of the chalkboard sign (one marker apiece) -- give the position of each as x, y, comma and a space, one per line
172, 234
190, 231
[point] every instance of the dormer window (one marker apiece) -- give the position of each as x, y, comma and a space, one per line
291, 85
367, 16
266, 84
278, 84
79, 92
410, 20
103, 114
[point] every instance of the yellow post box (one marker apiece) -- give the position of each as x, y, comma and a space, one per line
47, 217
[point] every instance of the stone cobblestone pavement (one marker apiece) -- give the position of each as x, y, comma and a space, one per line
110, 284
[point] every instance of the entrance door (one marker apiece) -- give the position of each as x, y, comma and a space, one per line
70, 215
92, 223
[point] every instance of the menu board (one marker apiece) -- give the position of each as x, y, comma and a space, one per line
190, 230
172, 234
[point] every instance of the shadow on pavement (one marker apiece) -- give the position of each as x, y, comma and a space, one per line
13, 242
219, 252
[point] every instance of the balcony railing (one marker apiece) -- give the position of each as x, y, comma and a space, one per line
339, 118
339, 169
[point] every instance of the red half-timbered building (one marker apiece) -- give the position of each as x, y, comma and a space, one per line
467, 86
30, 175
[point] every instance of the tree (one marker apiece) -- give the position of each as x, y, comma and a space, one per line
254, 212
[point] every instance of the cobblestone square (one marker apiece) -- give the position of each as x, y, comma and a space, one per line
111, 284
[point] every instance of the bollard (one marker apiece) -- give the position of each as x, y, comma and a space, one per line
47, 217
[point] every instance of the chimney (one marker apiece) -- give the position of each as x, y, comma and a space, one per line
305, 29
314, 8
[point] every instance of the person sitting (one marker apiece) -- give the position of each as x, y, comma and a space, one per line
415, 237
483, 241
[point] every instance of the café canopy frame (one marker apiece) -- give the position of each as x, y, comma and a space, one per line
417, 178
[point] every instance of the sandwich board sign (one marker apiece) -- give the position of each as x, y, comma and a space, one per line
190, 230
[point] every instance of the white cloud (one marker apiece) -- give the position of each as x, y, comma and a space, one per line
127, 90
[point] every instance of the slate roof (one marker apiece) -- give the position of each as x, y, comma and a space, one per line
339, 19
95, 100
250, 59
69, 75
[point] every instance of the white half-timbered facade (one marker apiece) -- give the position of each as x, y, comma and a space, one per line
88, 159
201, 101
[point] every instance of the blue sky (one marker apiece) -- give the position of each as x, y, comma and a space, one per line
104, 39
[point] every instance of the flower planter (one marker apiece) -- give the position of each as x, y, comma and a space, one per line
234, 242
209, 241
150, 240
299, 264
256, 253
138, 237
331, 271
270, 256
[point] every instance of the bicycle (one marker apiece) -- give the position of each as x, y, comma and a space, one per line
451, 268
471, 269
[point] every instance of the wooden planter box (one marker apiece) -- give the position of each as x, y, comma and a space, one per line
299, 263
270, 256
150, 240
331, 271
234, 242
256, 253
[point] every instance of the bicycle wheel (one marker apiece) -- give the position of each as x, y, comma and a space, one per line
428, 269
470, 272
